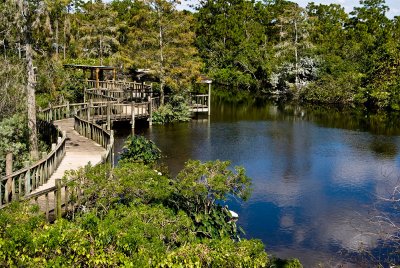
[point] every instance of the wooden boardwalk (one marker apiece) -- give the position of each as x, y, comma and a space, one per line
79, 152
40, 182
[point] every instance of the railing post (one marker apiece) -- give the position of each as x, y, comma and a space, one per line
68, 110
45, 168
9, 185
27, 179
46, 196
89, 108
58, 199
50, 113
150, 110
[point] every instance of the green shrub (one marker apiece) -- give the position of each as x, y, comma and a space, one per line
139, 149
198, 187
14, 139
176, 110
130, 221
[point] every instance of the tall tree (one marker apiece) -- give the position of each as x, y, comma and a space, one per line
57, 13
231, 39
295, 66
99, 30
163, 41
27, 15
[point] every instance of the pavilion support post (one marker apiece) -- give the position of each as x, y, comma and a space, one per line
97, 77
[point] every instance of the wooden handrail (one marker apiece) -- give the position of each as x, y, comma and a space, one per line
117, 85
21, 183
26, 180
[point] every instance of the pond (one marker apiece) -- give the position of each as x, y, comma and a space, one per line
319, 176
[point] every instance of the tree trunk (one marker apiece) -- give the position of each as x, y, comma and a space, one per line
30, 87
65, 41
31, 102
56, 41
162, 82
5, 49
296, 57
101, 51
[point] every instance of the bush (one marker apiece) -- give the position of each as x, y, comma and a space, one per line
14, 139
130, 221
333, 90
139, 149
176, 110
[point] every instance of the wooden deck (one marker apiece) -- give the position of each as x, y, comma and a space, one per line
79, 152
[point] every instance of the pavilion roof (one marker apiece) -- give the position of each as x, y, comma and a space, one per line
89, 67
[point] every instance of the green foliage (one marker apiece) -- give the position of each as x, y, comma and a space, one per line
280, 263
176, 110
232, 41
139, 149
13, 139
129, 182
17, 224
195, 191
218, 253
56, 85
333, 90
161, 38
11, 88
204, 183
125, 220
197, 188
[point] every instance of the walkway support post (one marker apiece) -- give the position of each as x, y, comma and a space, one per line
150, 111
108, 116
133, 116
209, 99
112, 148
58, 198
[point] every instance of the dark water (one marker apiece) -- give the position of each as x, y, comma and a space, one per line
319, 175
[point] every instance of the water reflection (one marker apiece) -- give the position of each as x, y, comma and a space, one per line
317, 173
